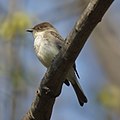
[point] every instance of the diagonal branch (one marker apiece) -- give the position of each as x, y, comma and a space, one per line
51, 84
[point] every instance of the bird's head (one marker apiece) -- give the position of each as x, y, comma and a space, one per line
42, 27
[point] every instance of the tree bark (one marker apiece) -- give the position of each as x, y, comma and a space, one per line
51, 84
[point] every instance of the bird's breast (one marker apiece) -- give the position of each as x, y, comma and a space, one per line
45, 51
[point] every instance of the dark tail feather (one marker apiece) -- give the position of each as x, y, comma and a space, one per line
80, 95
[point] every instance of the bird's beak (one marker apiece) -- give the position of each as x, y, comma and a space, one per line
29, 30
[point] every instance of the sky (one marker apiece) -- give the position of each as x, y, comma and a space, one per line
92, 74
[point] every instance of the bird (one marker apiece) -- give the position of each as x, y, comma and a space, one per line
47, 44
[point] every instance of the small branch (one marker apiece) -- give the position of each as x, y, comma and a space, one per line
51, 84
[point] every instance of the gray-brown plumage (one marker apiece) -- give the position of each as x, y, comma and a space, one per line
47, 44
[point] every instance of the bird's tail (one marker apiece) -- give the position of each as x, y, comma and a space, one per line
77, 88
79, 92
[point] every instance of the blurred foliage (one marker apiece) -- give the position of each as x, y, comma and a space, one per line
18, 77
110, 97
14, 25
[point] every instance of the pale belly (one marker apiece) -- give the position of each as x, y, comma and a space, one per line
45, 52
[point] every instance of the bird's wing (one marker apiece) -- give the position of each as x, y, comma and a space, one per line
59, 42
58, 39
74, 66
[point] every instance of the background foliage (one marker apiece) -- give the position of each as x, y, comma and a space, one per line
20, 70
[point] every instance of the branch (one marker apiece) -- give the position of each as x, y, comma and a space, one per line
51, 83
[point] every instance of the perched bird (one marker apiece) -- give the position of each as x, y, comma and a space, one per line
47, 44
